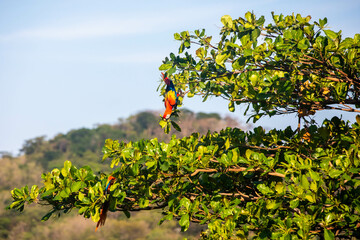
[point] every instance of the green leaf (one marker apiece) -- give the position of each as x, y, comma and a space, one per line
46, 216
231, 106
264, 189
185, 202
48, 193
248, 16
34, 192
15, 204
166, 125
135, 169
227, 21
167, 217
255, 34
177, 36
261, 20
83, 209
328, 235
304, 182
181, 48
127, 213
171, 71
280, 188
176, 126
358, 119
201, 53
163, 123
85, 200
322, 22
248, 52
329, 217
76, 186
303, 44
272, 204
314, 175
165, 66
331, 34
150, 164
95, 215
294, 203
81, 196
64, 193
334, 173
184, 222
164, 166
184, 34
311, 198
239, 64
221, 58
227, 143
16, 193
143, 203
67, 165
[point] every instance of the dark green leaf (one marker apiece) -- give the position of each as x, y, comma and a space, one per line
176, 126
328, 234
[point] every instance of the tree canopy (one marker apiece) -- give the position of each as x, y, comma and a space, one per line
291, 183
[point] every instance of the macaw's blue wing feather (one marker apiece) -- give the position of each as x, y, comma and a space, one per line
107, 186
170, 87
109, 182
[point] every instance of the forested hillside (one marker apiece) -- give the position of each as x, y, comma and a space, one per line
83, 147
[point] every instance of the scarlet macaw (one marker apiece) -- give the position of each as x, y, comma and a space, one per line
105, 206
171, 98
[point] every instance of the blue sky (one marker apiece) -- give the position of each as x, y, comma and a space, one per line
72, 64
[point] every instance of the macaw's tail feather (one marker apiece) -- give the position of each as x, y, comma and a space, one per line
105, 206
103, 215
167, 114
168, 109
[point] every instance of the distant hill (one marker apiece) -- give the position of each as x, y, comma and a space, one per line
83, 147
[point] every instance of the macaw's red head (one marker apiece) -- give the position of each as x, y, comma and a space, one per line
166, 79
110, 178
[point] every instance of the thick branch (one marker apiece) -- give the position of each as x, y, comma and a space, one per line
240, 169
144, 208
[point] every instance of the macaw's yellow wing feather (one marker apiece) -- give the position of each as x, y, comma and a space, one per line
171, 97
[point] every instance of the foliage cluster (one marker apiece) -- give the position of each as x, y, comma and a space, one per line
27, 169
290, 65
